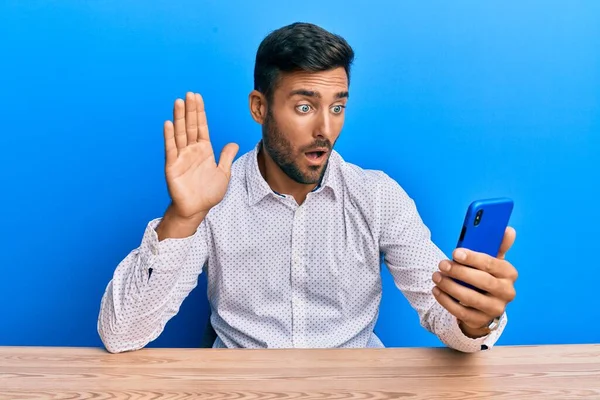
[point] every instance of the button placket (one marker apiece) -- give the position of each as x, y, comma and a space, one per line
298, 279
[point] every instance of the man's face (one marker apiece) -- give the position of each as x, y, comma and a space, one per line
304, 120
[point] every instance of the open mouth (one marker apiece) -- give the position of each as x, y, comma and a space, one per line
316, 156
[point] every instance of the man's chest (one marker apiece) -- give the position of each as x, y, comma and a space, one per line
281, 246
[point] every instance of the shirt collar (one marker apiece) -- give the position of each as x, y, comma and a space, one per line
258, 187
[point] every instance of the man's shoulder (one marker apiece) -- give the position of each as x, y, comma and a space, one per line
374, 189
357, 177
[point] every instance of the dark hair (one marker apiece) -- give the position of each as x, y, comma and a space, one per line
299, 47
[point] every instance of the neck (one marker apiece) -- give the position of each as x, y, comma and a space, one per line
279, 181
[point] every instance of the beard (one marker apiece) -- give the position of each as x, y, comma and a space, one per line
282, 153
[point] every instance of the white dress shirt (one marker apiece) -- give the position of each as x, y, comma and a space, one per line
283, 275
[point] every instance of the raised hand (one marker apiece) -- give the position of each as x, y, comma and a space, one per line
195, 181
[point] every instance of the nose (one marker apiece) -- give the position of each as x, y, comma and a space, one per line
323, 128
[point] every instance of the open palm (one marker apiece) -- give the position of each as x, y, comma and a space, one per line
195, 181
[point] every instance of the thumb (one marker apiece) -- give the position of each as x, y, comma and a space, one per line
227, 155
509, 238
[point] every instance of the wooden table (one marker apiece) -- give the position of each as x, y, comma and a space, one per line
530, 372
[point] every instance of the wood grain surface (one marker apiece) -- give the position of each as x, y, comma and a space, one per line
521, 372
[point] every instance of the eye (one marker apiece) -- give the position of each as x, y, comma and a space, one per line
338, 109
303, 108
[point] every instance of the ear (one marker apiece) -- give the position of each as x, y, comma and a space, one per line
258, 106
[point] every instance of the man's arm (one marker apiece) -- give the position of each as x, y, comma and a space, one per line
412, 258
149, 286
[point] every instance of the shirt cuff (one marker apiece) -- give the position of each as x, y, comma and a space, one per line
151, 249
456, 339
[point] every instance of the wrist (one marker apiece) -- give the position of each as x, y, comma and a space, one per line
473, 333
173, 225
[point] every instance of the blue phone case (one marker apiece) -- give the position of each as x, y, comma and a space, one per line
484, 226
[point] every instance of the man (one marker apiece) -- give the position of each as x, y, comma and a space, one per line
291, 235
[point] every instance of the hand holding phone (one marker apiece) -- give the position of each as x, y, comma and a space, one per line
484, 228
477, 284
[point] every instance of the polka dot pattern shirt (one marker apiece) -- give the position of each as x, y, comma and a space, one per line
283, 275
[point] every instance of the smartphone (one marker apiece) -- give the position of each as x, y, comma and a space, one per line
484, 227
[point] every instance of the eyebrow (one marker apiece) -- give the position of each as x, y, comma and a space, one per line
312, 93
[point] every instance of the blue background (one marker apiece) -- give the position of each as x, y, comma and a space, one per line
455, 100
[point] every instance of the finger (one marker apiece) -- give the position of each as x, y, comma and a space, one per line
500, 288
472, 318
201, 118
486, 263
468, 297
227, 155
191, 126
170, 146
179, 119
509, 239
